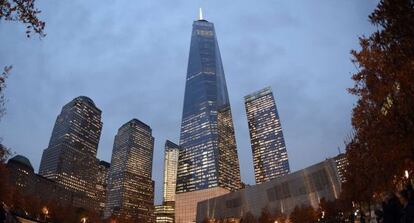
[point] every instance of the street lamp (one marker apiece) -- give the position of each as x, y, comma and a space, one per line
406, 174
45, 212
84, 219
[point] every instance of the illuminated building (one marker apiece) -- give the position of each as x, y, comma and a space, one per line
208, 158
70, 158
101, 184
130, 193
170, 171
341, 164
304, 187
24, 180
270, 158
164, 214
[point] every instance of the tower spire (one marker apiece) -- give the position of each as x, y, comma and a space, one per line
201, 14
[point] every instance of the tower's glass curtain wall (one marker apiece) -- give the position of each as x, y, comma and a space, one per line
70, 158
208, 157
268, 145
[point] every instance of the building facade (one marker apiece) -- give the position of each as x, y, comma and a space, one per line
101, 184
208, 155
70, 158
164, 214
130, 194
170, 172
270, 157
27, 183
341, 164
304, 187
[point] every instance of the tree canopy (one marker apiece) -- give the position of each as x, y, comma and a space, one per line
383, 147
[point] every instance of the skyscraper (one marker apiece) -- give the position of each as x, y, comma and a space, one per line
70, 158
208, 162
268, 145
341, 164
101, 184
165, 213
170, 171
130, 192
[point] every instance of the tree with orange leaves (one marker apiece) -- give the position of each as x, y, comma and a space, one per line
383, 118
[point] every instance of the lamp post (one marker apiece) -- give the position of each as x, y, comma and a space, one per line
45, 212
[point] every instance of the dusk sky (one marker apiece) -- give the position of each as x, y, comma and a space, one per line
130, 58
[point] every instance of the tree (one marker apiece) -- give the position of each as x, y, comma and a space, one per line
303, 214
279, 216
383, 118
248, 217
25, 12
265, 216
5, 188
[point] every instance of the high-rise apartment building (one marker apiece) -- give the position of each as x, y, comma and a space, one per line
208, 162
270, 157
130, 194
170, 171
70, 158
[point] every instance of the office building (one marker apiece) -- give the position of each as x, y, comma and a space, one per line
208, 162
341, 164
270, 157
27, 183
70, 158
164, 214
101, 184
130, 194
170, 172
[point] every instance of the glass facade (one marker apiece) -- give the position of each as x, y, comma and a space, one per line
170, 171
208, 155
70, 158
130, 193
270, 157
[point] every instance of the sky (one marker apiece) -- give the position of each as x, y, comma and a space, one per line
130, 58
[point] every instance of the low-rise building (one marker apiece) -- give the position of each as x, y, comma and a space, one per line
303, 187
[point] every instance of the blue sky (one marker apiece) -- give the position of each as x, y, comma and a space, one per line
130, 57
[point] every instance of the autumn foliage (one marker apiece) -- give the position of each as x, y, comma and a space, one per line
25, 12
382, 147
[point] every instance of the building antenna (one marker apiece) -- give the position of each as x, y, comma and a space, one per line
339, 150
201, 14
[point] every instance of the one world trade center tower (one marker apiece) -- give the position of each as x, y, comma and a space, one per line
208, 163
